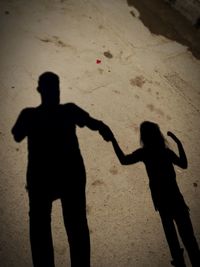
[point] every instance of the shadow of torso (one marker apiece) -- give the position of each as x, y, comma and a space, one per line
162, 180
55, 164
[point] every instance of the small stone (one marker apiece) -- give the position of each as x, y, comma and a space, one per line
195, 184
108, 54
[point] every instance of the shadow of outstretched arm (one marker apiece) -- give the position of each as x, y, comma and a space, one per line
97, 125
126, 159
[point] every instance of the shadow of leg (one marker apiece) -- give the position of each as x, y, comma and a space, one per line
186, 232
40, 231
172, 239
74, 214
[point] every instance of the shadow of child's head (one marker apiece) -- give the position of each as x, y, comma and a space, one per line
151, 136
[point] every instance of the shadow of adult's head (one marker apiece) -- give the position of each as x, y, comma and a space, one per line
49, 89
151, 136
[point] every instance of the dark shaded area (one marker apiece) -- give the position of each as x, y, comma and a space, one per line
197, 24
161, 19
56, 171
195, 184
167, 198
108, 54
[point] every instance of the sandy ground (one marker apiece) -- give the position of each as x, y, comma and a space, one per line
149, 70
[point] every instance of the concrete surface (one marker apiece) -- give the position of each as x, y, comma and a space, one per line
145, 75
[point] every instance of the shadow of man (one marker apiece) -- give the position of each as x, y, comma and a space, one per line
167, 198
56, 171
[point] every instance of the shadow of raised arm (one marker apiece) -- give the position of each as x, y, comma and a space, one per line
180, 161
